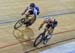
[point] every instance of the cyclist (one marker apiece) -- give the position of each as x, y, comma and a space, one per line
32, 9
51, 23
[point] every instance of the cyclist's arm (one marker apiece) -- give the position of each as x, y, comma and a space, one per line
42, 24
25, 11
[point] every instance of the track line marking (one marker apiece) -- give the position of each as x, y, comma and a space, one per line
32, 39
48, 45
63, 12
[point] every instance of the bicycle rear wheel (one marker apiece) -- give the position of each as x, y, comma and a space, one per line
38, 40
19, 23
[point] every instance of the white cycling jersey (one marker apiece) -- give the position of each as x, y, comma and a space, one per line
34, 12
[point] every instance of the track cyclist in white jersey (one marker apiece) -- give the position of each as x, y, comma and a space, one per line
32, 9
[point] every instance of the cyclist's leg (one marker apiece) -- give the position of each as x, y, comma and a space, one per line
46, 29
48, 36
30, 21
27, 16
33, 19
51, 29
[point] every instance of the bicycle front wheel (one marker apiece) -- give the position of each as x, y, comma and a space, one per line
19, 23
38, 40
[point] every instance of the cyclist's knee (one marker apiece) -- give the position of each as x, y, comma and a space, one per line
33, 19
51, 30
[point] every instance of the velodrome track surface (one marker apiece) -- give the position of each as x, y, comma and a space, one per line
20, 41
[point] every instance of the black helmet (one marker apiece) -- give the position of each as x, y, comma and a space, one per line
32, 5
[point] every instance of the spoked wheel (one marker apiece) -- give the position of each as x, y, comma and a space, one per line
38, 40
19, 23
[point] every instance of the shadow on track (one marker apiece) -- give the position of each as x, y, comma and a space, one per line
23, 35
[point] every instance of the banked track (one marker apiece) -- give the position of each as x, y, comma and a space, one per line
57, 13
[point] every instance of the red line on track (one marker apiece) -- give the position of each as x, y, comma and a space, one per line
32, 39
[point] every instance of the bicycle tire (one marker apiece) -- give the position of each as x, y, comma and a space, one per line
16, 26
37, 40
